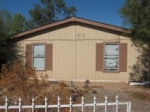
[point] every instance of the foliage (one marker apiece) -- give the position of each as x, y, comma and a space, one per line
7, 49
1, 29
20, 80
17, 24
141, 71
12, 23
49, 11
5, 18
1, 40
136, 16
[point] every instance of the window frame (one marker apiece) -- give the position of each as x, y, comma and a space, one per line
44, 56
118, 56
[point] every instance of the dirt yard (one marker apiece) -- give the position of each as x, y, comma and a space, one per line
139, 96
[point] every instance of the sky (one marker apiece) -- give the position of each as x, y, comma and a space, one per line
105, 11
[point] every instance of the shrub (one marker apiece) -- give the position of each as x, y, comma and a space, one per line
15, 80
18, 80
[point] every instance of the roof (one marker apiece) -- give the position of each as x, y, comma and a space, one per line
69, 20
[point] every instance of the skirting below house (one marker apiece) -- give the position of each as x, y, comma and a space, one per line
82, 80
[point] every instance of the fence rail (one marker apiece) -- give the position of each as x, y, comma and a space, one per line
58, 106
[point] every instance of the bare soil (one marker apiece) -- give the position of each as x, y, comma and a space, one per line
138, 95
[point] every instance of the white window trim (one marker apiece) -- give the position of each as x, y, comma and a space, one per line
113, 70
38, 56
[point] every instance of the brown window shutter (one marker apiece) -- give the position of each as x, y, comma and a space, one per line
123, 57
49, 57
99, 56
29, 54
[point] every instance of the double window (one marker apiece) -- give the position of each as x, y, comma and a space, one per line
111, 57
39, 56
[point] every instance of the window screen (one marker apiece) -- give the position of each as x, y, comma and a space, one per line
111, 56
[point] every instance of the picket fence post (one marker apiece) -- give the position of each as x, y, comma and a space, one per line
58, 103
106, 103
82, 101
19, 104
117, 103
6, 104
70, 105
33, 104
46, 104
94, 105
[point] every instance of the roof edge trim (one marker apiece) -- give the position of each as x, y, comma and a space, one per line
72, 19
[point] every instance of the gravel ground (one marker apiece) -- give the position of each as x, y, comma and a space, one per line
139, 96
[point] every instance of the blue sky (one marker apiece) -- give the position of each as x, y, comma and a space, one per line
97, 10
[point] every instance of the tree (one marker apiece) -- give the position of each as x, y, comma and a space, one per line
5, 18
18, 24
1, 41
49, 11
8, 49
10, 25
136, 17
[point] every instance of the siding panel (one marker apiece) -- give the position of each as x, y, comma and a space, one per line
76, 54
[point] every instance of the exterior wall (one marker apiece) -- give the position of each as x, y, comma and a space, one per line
74, 52
86, 39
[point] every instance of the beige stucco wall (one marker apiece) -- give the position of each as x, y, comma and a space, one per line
74, 52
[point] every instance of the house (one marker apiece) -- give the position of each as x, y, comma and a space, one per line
79, 49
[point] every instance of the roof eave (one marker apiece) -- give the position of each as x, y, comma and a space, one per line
72, 19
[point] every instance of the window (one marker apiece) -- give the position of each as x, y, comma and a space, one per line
111, 57
39, 56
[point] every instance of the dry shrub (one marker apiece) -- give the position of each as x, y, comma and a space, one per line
15, 81
20, 80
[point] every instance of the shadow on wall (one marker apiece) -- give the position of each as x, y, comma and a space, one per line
141, 69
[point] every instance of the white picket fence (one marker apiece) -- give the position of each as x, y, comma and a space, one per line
58, 106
